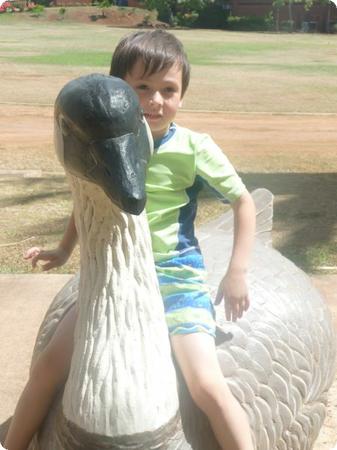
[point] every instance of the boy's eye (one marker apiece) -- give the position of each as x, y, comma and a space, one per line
169, 90
142, 87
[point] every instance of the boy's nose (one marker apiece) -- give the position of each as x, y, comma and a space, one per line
156, 98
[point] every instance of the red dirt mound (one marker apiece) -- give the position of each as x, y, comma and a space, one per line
113, 16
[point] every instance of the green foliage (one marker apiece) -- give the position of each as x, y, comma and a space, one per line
248, 23
103, 4
187, 19
214, 14
163, 8
61, 12
281, 3
278, 3
270, 21
42, 2
188, 13
37, 10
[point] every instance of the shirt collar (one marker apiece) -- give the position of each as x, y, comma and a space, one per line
170, 132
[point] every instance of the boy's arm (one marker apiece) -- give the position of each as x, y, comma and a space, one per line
59, 256
69, 240
233, 287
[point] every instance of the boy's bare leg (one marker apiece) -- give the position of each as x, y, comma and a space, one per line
196, 356
49, 371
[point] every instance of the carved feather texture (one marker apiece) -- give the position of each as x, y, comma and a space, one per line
279, 360
122, 352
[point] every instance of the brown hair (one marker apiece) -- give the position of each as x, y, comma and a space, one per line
157, 49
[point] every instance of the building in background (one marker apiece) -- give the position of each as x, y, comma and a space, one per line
320, 17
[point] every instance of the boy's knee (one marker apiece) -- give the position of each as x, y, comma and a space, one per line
208, 391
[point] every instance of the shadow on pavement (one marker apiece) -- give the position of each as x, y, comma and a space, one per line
3, 429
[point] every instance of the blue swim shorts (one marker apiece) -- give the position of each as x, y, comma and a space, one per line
187, 302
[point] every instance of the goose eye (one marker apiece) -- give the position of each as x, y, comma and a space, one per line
64, 127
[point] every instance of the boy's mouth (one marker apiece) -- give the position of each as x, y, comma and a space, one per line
149, 116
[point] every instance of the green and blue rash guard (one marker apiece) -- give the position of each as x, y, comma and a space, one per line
182, 163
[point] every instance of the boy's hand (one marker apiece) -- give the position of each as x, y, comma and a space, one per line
54, 258
233, 288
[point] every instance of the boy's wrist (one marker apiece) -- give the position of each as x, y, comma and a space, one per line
237, 270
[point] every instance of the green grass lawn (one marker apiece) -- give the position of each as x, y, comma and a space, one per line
238, 72
249, 72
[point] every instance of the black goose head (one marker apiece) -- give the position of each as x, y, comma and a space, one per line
102, 137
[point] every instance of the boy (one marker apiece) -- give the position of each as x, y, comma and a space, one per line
156, 67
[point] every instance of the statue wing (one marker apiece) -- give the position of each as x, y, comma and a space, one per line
279, 359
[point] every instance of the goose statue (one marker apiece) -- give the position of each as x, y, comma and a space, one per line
121, 393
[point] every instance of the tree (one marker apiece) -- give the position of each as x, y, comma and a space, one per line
278, 4
209, 13
103, 4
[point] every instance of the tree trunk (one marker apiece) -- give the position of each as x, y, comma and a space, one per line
277, 23
327, 23
290, 9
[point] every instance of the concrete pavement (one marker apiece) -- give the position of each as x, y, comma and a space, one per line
24, 300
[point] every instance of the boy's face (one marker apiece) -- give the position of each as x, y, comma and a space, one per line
159, 95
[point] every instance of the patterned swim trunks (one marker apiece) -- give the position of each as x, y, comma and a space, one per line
187, 302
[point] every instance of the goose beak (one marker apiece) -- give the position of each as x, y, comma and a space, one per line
116, 164
120, 170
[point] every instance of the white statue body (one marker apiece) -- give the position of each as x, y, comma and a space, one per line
279, 359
